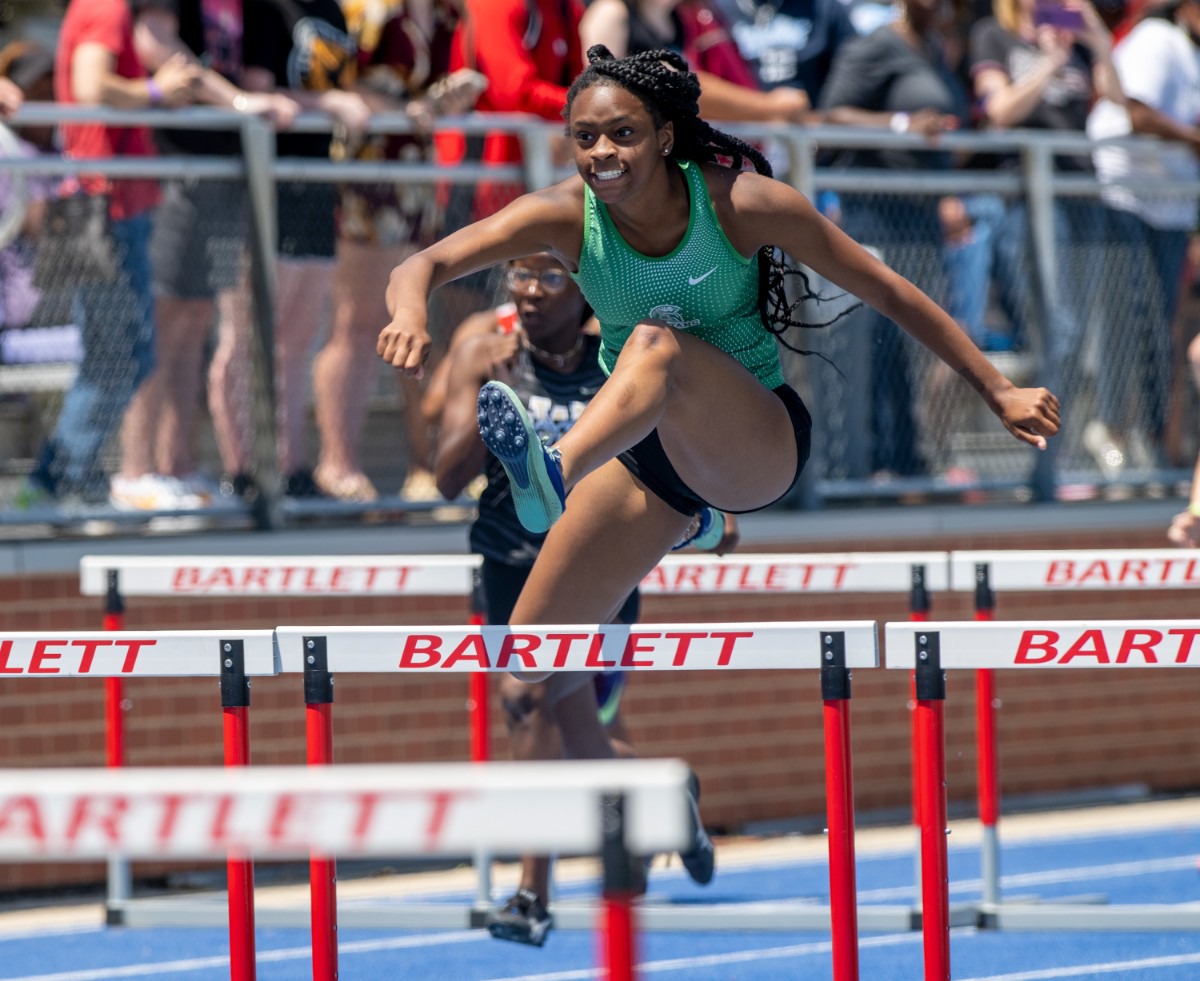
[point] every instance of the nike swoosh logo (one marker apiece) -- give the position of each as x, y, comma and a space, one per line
693, 280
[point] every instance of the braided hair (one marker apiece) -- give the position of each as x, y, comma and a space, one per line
670, 92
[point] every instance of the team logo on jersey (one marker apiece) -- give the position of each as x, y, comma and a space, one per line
552, 419
672, 315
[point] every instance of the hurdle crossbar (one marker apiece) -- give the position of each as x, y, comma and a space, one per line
282, 812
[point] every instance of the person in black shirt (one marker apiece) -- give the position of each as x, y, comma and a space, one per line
897, 78
303, 48
537, 345
196, 256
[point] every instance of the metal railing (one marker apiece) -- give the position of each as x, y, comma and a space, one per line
1033, 182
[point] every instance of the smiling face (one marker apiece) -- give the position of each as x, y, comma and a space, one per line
618, 146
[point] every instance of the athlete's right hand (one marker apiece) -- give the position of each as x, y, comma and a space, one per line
405, 344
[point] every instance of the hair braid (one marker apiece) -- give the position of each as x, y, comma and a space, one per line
671, 93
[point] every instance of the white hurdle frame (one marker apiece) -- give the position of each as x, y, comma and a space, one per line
115, 577
833, 648
985, 573
929, 649
613, 808
232, 656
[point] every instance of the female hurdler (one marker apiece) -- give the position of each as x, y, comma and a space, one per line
677, 247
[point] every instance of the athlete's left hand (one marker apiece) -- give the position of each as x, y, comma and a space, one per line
405, 344
1185, 530
1030, 414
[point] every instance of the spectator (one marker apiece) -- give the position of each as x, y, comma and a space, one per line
897, 78
30, 68
196, 256
693, 28
529, 50
789, 42
11, 97
97, 64
1158, 64
1039, 76
304, 50
537, 344
404, 57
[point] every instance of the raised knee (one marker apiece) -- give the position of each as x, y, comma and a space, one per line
653, 338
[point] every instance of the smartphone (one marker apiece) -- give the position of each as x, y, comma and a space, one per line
1059, 17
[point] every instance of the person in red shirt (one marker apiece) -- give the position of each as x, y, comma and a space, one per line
529, 50
96, 64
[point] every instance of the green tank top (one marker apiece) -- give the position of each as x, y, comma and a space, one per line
704, 286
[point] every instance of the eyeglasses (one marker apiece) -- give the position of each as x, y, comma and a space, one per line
550, 280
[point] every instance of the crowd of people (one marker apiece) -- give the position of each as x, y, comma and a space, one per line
174, 328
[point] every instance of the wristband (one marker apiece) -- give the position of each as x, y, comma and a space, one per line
1194, 509
899, 122
155, 92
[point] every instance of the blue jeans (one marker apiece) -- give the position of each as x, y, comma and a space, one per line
971, 267
908, 235
1136, 360
116, 325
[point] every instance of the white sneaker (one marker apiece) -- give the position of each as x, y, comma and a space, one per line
153, 492
1099, 442
203, 487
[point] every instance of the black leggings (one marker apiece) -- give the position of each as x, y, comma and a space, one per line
648, 460
502, 584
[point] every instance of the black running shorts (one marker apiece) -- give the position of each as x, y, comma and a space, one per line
648, 461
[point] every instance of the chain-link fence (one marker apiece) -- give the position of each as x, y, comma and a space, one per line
255, 290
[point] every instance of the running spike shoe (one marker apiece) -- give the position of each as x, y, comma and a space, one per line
705, 532
523, 919
700, 860
534, 471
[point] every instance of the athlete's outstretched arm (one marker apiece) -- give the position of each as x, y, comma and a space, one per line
760, 211
542, 221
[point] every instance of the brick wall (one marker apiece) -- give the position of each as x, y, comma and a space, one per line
755, 738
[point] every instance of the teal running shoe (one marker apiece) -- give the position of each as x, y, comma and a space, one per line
710, 529
534, 471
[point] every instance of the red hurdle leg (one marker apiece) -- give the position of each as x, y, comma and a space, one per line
322, 871
617, 931
478, 710
987, 755
477, 697
120, 882
235, 708
931, 748
839, 804
919, 606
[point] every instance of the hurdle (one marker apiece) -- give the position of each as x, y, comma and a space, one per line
615, 809
986, 572
834, 649
232, 656
116, 577
929, 649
